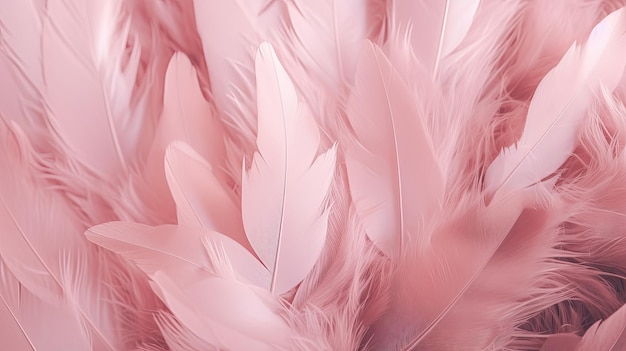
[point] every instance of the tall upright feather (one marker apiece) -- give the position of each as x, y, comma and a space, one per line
284, 194
393, 173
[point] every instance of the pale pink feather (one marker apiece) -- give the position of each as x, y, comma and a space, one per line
436, 27
564, 96
202, 200
237, 316
393, 173
284, 193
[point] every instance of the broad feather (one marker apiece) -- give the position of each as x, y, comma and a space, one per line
558, 107
393, 173
284, 193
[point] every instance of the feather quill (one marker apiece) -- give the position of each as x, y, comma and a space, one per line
558, 107
284, 193
436, 26
393, 172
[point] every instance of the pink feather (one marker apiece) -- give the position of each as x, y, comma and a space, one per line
392, 169
284, 193
436, 27
576, 78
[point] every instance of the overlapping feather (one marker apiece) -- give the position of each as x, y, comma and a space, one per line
564, 95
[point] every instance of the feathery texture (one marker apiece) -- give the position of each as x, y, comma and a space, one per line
312, 175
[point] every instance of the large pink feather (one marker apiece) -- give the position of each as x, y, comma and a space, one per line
284, 193
393, 173
559, 106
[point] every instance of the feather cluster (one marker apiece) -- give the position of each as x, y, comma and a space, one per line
313, 175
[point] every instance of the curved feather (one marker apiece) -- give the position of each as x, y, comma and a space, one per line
284, 193
201, 199
436, 26
175, 250
559, 106
393, 173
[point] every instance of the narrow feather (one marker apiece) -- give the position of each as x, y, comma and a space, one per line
284, 193
393, 173
437, 27
553, 120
